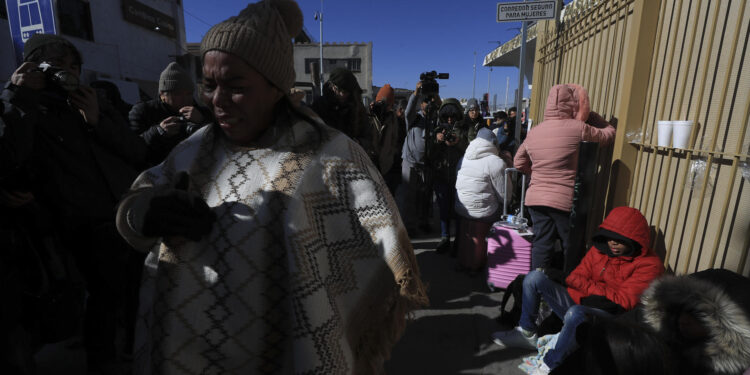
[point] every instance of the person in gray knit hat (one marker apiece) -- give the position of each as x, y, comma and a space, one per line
275, 245
173, 116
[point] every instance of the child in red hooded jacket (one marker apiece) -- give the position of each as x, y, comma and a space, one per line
609, 280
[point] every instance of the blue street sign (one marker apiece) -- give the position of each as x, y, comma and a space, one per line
26, 18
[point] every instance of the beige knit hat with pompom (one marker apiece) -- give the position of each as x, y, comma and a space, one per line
261, 35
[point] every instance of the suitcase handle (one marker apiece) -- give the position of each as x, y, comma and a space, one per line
523, 191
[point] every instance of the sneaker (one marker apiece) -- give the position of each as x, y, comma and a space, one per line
443, 245
542, 369
515, 338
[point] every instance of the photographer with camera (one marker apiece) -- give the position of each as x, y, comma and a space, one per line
415, 198
168, 120
448, 145
67, 162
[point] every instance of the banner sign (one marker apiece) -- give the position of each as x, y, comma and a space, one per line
526, 11
26, 18
150, 18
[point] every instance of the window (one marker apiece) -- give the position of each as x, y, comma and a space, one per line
355, 65
75, 18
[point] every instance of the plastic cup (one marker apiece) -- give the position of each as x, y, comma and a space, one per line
665, 133
681, 131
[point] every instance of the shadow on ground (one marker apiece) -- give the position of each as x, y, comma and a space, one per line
453, 334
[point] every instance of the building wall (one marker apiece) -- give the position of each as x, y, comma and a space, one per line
120, 50
362, 51
646, 60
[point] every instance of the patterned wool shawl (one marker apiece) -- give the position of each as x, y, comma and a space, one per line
308, 268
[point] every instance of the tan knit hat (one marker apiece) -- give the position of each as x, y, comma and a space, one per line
175, 78
261, 35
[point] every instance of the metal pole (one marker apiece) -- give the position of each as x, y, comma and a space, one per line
519, 97
488, 90
321, 48
507, 85
474, 86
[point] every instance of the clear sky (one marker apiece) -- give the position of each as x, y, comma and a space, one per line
408, 37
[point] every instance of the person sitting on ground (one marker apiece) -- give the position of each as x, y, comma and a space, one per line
168, 120
705, 318
609, 280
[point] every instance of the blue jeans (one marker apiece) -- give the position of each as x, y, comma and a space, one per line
536, 285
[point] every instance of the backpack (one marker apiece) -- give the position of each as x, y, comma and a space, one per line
515, 289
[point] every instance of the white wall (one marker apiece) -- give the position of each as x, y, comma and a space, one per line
336, 51
120, 50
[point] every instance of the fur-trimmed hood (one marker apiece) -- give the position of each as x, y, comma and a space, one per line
707, 296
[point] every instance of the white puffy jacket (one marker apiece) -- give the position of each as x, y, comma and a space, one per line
480, 185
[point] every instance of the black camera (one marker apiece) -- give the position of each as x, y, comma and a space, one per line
450, 137
429, 83
58, 77
447, 130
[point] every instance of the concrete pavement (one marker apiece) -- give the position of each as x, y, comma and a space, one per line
452, 335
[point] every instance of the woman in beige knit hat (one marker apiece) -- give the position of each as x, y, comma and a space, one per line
274, 244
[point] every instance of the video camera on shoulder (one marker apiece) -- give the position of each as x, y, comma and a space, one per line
429, 83
59, 78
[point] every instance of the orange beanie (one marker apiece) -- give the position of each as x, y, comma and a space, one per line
386, 93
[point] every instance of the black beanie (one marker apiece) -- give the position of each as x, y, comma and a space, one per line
39, 40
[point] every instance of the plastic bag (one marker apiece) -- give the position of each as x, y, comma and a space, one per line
637, 136
745, 169
698, 169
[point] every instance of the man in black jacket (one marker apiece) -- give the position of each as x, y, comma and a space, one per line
72, 157
168, 120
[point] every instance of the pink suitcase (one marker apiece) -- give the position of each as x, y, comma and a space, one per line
508, 255
508, 245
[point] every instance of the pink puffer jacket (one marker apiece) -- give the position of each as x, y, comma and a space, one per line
550, 151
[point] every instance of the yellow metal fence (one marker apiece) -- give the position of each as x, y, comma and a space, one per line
648, 60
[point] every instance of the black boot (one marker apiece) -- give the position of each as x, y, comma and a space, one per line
443, 245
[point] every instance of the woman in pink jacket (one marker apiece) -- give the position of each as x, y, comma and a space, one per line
550, 155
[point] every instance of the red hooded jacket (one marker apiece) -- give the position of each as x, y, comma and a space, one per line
621, 279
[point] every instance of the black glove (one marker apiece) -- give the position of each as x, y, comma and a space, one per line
171, 210
602, 303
